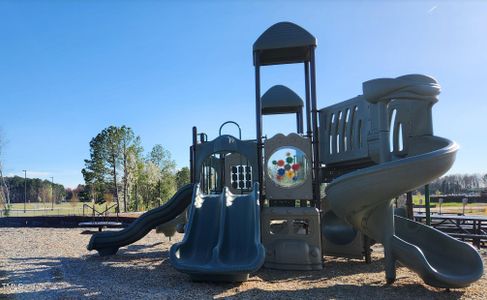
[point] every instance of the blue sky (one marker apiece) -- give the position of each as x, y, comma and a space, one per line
68, 69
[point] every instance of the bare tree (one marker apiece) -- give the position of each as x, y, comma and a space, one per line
130, 144
113, 149
4, 191
74, 199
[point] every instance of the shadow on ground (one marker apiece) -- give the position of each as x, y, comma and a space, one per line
144, 271
333, 268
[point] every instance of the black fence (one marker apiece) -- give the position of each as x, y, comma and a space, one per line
57, 221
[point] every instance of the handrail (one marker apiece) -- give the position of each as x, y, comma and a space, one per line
107, 208
231, 122
98, 213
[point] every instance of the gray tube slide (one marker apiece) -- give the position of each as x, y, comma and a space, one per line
440, 260
108, 243
363, 198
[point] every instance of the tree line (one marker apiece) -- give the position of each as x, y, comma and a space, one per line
118, 170
33, 190
459, 184
18, 189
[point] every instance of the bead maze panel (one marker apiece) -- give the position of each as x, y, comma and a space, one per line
288, 168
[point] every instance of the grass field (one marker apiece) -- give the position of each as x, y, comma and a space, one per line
452, 207
67, 208
419, 197
46, 209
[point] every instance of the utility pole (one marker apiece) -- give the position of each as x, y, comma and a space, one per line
52, 193
25, 188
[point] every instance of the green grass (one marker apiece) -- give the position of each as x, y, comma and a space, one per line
457, 204
61, 209
67, 208
454, 207
417, 197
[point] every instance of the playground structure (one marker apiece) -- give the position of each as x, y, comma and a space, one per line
254, 203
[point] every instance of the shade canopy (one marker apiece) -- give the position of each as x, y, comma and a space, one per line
281, 100
283, 43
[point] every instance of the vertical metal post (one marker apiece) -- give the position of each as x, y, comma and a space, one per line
299, 121
427, 204
221, 180
52, 193
192, 155
258, 114
409, 205
307, 99
25, 189
315, 138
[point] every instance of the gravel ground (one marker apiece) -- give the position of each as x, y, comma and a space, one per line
41, 263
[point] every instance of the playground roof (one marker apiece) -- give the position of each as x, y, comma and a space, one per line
280, 100
283, 43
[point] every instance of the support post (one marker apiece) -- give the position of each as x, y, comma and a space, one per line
315, 138
427, 204
192, 154
409, 205
299, 121
258, 114
307, 99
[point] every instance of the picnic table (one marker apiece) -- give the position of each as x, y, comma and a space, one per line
463, 227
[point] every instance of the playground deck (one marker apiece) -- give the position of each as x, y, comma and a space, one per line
35, 263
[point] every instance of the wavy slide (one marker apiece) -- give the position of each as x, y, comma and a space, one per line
363, 198
108, 243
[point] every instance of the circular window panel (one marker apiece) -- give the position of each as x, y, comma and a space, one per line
288, 167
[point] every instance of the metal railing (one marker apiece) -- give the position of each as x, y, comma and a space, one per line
61, 211
103, 213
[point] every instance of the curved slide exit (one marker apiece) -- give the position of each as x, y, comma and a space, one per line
363, 198
108, 243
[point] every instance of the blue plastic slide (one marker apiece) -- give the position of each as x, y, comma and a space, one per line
108, 243
222, 240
